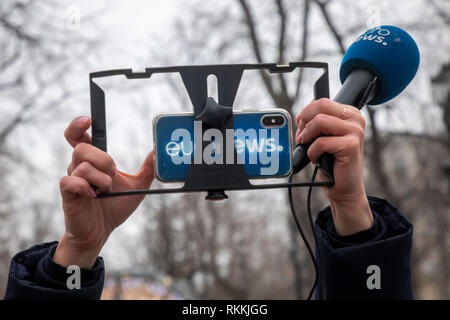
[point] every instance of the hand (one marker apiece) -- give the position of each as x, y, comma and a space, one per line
90, 221
343, 127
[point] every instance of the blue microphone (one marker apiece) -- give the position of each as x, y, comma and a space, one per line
376, 68
388, 53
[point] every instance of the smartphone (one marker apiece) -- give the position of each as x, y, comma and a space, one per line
262, 140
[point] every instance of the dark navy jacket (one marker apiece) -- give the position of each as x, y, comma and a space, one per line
346, 259
386, 245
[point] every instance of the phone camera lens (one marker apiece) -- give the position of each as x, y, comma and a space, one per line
273, 121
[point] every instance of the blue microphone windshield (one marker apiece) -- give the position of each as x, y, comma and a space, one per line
387, 51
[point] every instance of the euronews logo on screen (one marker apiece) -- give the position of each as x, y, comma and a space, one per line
252, 146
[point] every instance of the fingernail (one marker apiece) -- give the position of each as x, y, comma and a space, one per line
301, 124
297, 133
113, 171
83, 120
300, 138
92, 193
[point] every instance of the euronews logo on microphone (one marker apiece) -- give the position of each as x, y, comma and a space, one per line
390, 54
377, 35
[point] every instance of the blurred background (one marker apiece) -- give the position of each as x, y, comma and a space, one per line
180, 246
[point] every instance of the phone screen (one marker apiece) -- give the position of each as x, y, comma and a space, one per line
261, 140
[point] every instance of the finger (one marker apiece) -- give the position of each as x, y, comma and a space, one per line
71, 187
300, 124
94, 176
146, 173
70, 169
88, 153
329, 107
297, 134
298, 118
76, 131
324, 124
338, 146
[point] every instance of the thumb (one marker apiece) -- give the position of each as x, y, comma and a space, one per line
146, 173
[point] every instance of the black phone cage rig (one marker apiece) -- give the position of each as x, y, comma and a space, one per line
214, 179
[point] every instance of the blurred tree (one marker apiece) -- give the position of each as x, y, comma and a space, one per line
280, 31
442, 91
40, 44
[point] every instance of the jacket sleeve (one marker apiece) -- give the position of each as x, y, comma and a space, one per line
33, 275
371, 264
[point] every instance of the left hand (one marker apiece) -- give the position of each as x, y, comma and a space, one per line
343, 129
90, 221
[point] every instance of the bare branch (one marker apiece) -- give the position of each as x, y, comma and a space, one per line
252, 30
281, 43
9, 61
18, 31
12, 84
20, 115
331, 25
377, 159
251, 25
283, 25
441, 12
304, 45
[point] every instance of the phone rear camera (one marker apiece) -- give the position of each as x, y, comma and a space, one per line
272, 120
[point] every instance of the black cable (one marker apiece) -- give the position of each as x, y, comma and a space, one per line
203, 189
311, 223
291, 202
305, 240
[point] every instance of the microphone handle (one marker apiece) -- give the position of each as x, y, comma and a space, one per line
358, 89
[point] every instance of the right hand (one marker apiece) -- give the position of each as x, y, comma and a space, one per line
90, 221
343, 129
